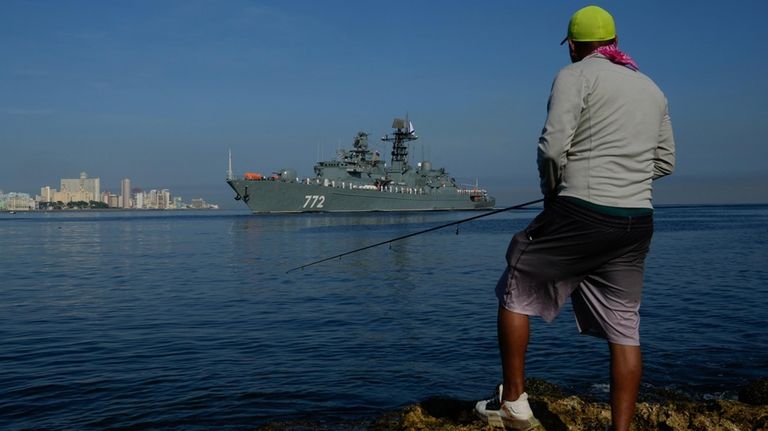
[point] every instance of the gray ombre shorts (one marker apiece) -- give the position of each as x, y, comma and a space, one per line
596, 259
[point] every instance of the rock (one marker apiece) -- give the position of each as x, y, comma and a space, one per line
539, 388
556, 412
755, 393
559, 413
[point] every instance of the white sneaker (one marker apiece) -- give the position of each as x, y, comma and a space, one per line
509, 415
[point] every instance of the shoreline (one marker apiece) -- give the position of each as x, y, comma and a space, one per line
560, 412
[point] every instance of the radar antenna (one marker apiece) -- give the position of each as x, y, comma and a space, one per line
403, 133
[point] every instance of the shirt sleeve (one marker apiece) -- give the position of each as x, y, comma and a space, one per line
563, 114
664, 156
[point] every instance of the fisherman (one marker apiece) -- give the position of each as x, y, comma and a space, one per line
606, 137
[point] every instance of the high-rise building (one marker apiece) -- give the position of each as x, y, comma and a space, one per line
80, 189
139, 203
164, 199
46, 194
125, 187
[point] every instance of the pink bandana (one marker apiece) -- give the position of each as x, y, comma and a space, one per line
612, 52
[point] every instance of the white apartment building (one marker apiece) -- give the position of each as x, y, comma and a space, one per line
78, 189
16, 202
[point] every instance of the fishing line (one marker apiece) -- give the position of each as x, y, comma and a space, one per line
389, 241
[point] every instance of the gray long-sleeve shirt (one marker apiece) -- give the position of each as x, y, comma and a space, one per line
607, 135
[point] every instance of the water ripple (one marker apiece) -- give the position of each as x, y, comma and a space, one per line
189, 321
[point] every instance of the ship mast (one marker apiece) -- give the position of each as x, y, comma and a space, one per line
229, 167
402, 135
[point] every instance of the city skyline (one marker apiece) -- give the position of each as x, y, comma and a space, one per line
162, 91
85, 193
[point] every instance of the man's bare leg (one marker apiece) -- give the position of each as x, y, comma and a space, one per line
513, 332
626, 372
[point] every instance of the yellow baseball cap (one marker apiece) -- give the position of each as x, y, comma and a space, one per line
591, 24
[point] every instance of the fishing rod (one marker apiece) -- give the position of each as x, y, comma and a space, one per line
338, 256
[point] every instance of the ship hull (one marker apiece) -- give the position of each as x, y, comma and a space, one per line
267, 196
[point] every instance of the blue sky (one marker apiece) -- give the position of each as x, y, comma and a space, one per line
158, 91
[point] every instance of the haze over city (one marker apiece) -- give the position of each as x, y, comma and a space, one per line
160, 91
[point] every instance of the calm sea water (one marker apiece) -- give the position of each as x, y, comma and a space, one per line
188, 320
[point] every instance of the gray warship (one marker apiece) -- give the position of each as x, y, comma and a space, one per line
358, 180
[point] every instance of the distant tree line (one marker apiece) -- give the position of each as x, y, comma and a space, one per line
75, 205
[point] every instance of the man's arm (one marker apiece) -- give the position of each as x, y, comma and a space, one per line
664, 156
563, 114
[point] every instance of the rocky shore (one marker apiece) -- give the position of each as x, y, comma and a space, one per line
558, 412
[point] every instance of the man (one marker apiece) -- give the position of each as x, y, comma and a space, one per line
607, 136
